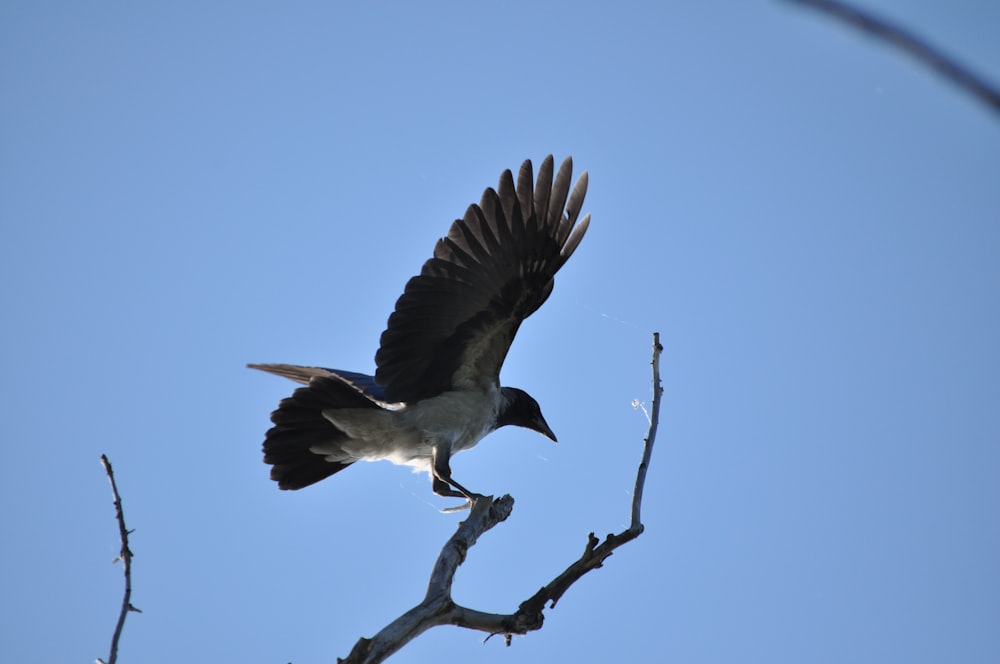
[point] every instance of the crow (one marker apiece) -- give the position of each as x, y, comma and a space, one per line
436, 389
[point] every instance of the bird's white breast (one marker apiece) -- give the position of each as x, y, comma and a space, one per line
405, 436
460, 417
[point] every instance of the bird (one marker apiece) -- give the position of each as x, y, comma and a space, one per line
436, 388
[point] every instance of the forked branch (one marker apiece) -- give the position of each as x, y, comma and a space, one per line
438, 608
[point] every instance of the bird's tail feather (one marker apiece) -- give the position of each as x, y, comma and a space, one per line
302, 446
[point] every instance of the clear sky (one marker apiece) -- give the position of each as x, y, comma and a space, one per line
809, 218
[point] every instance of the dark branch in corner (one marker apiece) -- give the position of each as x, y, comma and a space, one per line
126, 557
437, 607
911, 44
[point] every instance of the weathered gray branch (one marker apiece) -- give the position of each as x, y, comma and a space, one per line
910, 43
126, 557
437, 607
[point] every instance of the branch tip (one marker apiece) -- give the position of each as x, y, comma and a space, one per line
125, 556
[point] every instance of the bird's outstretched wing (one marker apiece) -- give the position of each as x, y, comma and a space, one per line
455, 321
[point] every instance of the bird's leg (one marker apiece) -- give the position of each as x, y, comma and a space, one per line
442, 483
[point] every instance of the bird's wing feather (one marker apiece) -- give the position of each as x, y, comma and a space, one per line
455, 321
361, 382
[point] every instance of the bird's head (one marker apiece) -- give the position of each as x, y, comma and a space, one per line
520, 409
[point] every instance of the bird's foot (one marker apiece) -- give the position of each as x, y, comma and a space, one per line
470, 500
458, 508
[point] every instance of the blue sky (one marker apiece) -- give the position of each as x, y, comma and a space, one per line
810, 219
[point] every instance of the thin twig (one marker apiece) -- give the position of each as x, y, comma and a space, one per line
915, 46
126, 557
654, 420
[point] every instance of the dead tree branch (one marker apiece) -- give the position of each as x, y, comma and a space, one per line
438, 608
126, 557
910, 43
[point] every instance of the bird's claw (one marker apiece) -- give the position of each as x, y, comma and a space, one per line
467, 505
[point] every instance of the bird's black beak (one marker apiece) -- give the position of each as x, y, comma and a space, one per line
542, 427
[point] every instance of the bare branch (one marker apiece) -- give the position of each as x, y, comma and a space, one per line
915, 46
595, 553
437, 607
126, 557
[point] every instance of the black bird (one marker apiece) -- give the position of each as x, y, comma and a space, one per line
436, 389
